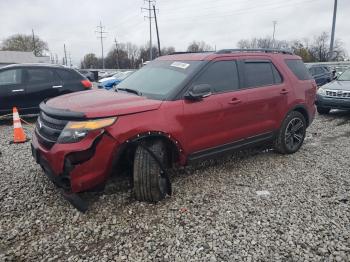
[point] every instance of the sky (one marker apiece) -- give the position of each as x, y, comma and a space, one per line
220, 23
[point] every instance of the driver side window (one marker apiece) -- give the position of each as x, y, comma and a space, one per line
221, 76
11, 77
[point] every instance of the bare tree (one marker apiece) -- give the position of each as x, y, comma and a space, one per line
199, 46
90, 61
20, 42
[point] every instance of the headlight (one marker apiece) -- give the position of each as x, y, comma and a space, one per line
76, 131
321, 91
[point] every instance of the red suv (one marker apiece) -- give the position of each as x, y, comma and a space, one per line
177, 109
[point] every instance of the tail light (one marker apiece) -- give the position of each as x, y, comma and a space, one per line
86, 83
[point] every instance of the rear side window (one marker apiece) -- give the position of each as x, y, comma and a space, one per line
298, 68
222, 76
40, 75
260, 73
11, 77
68, 74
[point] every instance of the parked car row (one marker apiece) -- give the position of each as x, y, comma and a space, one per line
112, 81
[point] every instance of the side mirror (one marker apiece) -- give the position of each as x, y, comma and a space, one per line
198, 92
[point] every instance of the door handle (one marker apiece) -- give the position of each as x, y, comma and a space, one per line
235, 101
17, 90
284, 92
56, 86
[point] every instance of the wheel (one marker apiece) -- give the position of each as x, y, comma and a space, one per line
291, 135
323, 110
149, 185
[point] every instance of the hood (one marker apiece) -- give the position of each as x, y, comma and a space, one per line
338, 85
103, 103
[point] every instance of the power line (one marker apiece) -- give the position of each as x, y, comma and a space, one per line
149, 9
33, 42
117, 48
101, 32
65, 54
155, 20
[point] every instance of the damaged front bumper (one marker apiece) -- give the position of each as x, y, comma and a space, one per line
77, 167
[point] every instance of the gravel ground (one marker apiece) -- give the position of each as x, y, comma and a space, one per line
251, 206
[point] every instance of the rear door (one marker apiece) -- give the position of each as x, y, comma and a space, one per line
263, 97
41, 83
71, 80
12, 89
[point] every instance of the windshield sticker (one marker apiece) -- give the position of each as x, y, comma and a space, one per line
180, 65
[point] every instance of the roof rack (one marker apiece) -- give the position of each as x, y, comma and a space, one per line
190, 52
263, 50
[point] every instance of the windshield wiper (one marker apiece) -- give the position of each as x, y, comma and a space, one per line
129, 90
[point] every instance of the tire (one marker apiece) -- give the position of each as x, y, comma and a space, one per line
149, 185
291, 135
323, 110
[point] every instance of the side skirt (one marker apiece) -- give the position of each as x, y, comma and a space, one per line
231, 147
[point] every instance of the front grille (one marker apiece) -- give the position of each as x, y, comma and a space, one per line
48, 129
338, 93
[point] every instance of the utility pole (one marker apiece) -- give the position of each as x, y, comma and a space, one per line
65, 54
149, 9
273, 34
33, 42
101, 32
331, 47
116, 46
155, 20
70, 60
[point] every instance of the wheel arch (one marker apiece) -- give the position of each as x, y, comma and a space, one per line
301, 109
128, 147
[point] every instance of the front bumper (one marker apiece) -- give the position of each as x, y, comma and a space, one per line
77, 167
333, 102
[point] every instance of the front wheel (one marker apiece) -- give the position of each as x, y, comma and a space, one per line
291, 135
149, 183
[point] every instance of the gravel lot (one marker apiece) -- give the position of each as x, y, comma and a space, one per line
247, 207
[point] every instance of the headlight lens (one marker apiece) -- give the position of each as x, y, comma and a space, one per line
321, 91
76, 131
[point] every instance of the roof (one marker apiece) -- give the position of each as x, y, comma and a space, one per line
35, 65
226, 52
15, 57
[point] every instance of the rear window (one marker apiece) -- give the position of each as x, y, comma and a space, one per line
298, 68
68, 74
40, 75
260, 73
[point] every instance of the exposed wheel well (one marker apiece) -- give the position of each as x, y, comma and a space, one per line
126, 153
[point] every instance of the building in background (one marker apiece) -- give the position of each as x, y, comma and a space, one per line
18, 57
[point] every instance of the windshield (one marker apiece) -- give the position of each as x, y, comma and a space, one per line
158, 79
345, 76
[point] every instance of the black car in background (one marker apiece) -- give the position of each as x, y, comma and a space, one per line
88, 74
321, 73
25, 86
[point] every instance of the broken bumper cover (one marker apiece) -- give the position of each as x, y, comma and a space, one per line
80, 166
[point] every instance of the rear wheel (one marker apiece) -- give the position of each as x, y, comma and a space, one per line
291, 134
323, 110
149, 184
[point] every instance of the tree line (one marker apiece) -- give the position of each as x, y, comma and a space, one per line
129, 55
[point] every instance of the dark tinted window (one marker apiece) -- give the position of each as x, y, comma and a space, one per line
66, 74
260, 73
11, 77
222, 76
40, 75
319, 70
298, 68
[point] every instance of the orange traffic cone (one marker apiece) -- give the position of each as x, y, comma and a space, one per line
18, 133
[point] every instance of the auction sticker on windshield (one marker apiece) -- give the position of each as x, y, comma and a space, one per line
180, 65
